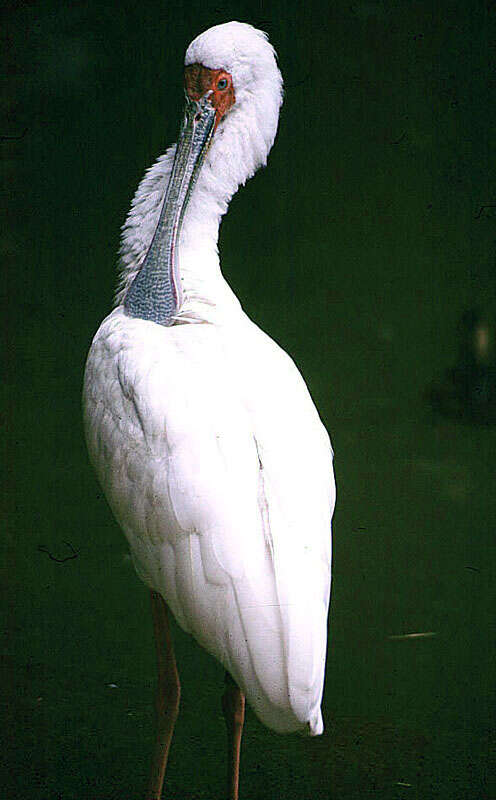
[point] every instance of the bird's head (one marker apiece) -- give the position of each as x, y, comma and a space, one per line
233, 91
234, 65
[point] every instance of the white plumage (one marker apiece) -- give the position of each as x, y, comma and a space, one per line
204, 437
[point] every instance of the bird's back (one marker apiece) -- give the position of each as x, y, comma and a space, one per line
218, 469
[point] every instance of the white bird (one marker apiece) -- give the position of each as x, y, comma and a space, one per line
202, 431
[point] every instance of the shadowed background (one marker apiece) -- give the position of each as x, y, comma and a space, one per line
358, 249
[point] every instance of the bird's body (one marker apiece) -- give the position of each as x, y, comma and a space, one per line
210, 450
217, 468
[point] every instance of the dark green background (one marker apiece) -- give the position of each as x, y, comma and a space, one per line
357, 249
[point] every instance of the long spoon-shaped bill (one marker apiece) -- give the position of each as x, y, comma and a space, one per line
156, 293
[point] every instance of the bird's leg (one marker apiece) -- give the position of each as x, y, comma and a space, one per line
233, 707
168, 696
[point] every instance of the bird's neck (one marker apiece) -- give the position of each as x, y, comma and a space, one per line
206, 295
173, 276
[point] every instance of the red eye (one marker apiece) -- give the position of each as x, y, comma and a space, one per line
222, 84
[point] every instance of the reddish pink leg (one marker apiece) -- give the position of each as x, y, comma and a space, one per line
168, 696
233, 706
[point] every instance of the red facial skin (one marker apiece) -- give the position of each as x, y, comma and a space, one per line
199, 79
